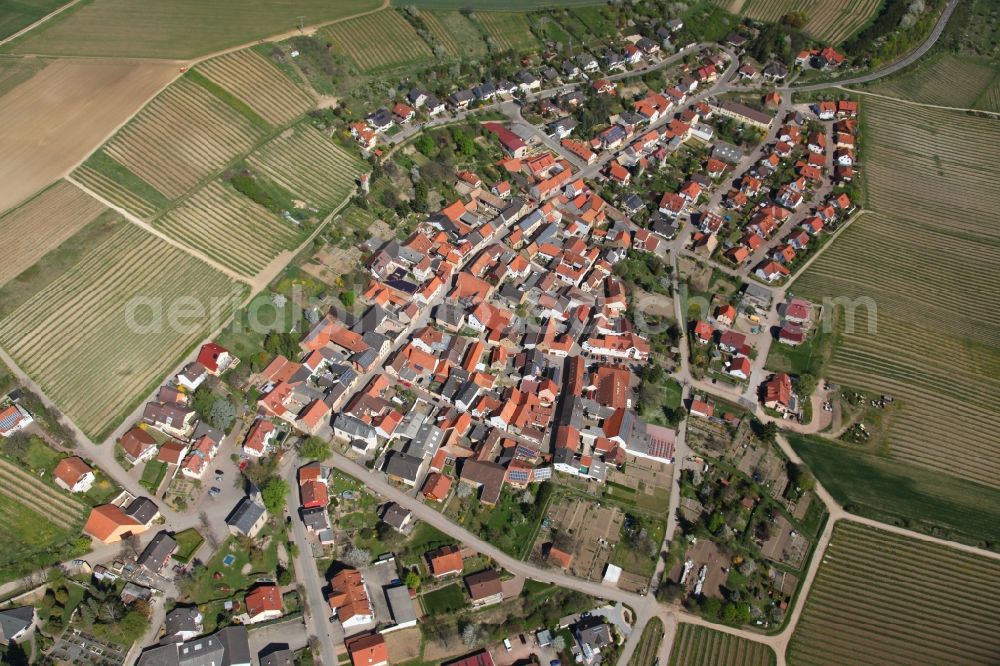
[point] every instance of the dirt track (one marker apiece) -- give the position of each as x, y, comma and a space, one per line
52, 121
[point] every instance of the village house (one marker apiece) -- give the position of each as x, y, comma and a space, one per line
74, 475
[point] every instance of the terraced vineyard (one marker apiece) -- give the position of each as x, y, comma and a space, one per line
41, 224
184, 135
946, 80
880, 598
702, 646
229, 228
508, 31
258, 83
464, 32
989, 100
379, 41
772, 10
304, 161
91, 338
933, 346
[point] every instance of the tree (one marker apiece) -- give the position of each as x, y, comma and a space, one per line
470, 634
274, 494
315, 448
222, 415
202, 401
806, 385
348, 298
413, 580
357, 557
284, 576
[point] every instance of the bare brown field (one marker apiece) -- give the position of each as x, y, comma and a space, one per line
53, 120
41, 224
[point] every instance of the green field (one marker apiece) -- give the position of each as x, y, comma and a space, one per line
188, 542
18, 14
310, 165
445, 600
177, 29
35, 538
15, 71
456, 33
880, 598
942, 79
119, 298
379, 41
508, 31
915, 272
701, 646
902, 494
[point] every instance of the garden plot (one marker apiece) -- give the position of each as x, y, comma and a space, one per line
183, 136
382, 40
881, 598
229, 228
258, 83
308, 164
90, 338
41, 224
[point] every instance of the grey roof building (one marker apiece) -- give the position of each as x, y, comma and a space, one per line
401, 606
247, 517
143, 509
227, 647
182, 624
16, 623
403, 466
157, 553
279, 657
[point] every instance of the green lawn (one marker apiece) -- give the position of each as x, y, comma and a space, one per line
152, 475
33, 542
902, 494
188, 542
231, 582
445, 600
808, 358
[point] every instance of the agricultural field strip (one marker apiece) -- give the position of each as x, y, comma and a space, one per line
94, 292
378, 40
308, 164
946, 80
890, 571
504, 27
66, 510
874, 258
42, 224
261, 85
181, 137
229, 228
835, 21
113, 192
701, 646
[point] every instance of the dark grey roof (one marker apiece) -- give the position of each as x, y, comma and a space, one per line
226, 647
204, 429
15, 620
315, 519
245, 514
395, 515
280, 657
142, 509
157, 552
400, 604
402, 465
181, 619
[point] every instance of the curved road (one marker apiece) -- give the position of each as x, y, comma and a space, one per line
893, 67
